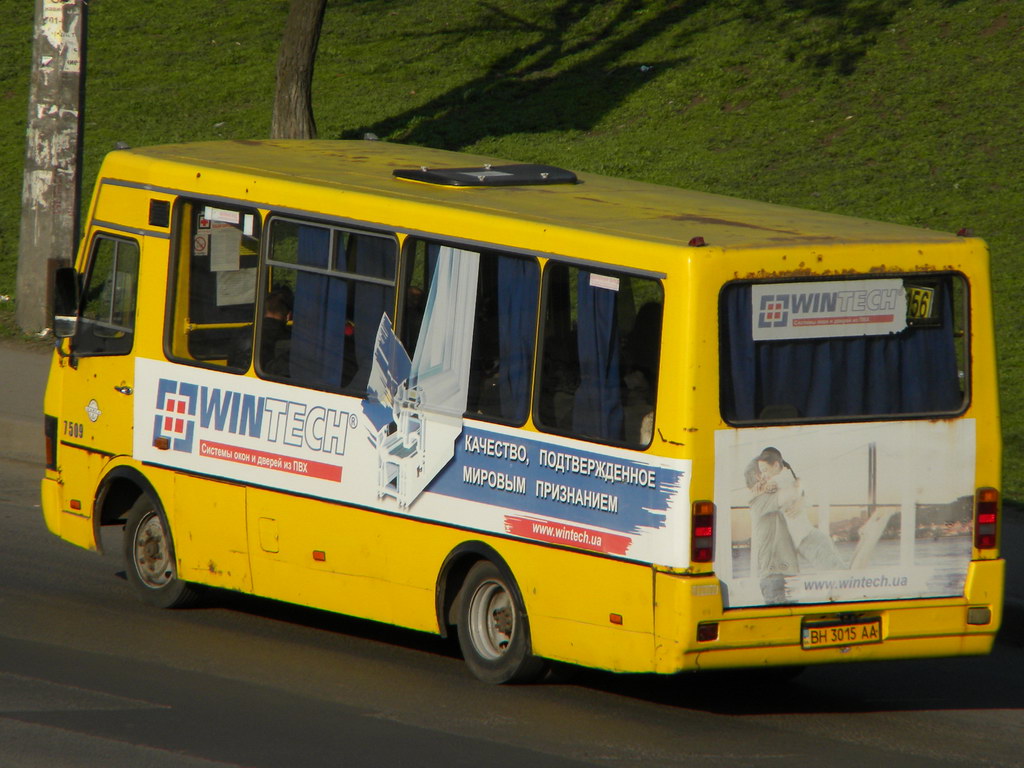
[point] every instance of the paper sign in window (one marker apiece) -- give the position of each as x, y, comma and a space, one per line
225, 244
222, 215
607, 282
238, 287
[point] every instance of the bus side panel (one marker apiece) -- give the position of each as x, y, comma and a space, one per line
338, 558
584, 609
385, 568
211, 546
123, 204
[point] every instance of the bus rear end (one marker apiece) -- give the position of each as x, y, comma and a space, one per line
855, 483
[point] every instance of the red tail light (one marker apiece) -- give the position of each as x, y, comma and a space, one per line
702, 535
986, 518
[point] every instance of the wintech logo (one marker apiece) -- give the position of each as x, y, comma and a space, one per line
175, 414
183, 408
774, 312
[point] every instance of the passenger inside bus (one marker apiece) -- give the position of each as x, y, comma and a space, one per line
275, 335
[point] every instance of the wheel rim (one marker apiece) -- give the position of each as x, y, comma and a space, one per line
152, 553
492, 620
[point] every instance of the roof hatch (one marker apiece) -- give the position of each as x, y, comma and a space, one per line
523, 174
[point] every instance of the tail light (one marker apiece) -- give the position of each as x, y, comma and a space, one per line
986, 518
50, 434
702, 535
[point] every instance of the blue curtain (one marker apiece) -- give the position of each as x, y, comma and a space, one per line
597, 410
318, 319
375, 257
517, 314
914, 371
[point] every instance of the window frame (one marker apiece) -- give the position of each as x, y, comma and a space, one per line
119, 240
484, 251
960, 317
620, 272
180, 258
266, 282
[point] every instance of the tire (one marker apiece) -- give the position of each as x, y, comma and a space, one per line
494, 634
149, 558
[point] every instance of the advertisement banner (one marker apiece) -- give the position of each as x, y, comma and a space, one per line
834, 308
392, 453
844, 512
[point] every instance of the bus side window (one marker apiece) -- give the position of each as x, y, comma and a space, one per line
215, 284
599, 362
107, 324
504, 323
503, 338
341, 283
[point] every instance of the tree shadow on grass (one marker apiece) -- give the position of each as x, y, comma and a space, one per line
827, 35
525, 91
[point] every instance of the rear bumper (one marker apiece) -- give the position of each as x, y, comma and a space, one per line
757, 637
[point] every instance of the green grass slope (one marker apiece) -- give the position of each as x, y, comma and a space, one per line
900, 111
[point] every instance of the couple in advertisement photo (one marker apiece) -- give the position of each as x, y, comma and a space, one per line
783, 539
781, 532
821, 513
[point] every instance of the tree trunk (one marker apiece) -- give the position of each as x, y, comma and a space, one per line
293, 106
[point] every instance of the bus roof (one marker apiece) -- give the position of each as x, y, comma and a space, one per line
598, 204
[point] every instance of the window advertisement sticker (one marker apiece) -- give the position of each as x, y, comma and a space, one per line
781, 311
844, 512
489, 477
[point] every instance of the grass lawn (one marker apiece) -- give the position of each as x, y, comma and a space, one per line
892, 110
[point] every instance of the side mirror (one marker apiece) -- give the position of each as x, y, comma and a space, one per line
65, 302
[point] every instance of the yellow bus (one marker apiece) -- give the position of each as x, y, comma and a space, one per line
564, 417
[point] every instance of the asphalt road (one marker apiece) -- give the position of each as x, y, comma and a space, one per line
89, 677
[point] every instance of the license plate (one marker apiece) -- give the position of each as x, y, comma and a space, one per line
832, 634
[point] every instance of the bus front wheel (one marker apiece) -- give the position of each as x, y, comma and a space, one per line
149, 558
493, 631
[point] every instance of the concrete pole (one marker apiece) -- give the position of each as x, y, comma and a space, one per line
51, 190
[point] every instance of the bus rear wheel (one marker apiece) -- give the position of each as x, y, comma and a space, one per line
493, 630
149, 558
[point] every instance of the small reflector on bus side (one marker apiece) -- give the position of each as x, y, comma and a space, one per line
979, 616
519, 175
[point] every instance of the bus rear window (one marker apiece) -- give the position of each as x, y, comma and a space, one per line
834, 350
